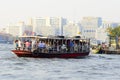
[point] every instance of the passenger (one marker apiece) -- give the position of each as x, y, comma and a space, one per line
36, 44
58, 48
86, 47
48, 47
79, 47
33, 44
19, 44
24, 46
64, 48
83, 47
30, 46
44, 45
16, 44
71, 46
55, 46
27, 44
41, 46
75, 47
103, 45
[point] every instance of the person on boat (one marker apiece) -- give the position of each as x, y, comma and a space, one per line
33, 44
100, 49
103, 45
75, 47
64, 48
24, 46
87, 47
48, 47
83, 47
16, 44
44, 45
30, 46
71, 46
27, 44
41, 46
58, 47
80, 46
19, 44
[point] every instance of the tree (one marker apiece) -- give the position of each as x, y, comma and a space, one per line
114, 31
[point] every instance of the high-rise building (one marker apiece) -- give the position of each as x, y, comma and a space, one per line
58, 23
19, 29
49, 25
89, 26
14, 30
37, 23
71, 29
101, 35
106, 24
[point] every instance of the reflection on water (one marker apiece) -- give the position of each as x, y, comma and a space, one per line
93, 67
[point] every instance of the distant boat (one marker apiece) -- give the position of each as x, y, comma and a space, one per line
95, 51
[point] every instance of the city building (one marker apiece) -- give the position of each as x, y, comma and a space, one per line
107, 24
101, 35
19, 29
89, 26
49, 25
71, 29
42, 26
58, 23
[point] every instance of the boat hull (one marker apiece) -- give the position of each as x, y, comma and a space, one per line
21, 53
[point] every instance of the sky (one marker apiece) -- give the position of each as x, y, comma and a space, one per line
12, 11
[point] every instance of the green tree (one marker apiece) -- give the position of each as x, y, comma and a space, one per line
114, 31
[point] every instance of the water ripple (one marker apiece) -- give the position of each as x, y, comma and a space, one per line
93, 67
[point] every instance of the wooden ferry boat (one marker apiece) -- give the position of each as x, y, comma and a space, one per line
81, 50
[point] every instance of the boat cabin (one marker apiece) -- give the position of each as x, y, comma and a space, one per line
53, 44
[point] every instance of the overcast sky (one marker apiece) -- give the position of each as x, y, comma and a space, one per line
15, 10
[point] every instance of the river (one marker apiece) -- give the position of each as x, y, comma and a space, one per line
93, 67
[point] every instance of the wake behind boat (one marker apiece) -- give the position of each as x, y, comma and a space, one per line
52, 47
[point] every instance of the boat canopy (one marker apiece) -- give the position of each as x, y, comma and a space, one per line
56, 37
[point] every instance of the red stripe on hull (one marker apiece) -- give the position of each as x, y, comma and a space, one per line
21, 53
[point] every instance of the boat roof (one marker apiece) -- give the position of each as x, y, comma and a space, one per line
53, 37
32, 37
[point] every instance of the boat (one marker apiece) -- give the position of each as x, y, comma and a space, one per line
95, 51
110, 50
21, 53
54, 53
